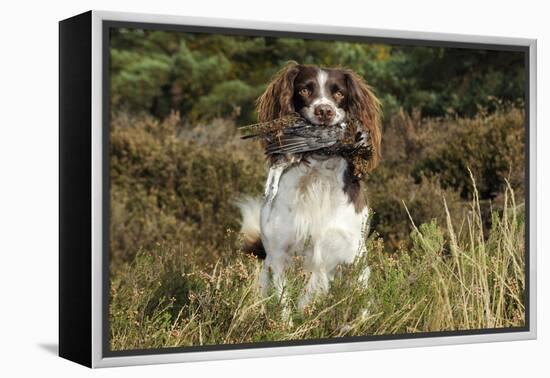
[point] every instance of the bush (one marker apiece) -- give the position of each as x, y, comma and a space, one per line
424, 199
449, 279
492, 146
427, 160
171, 184
175, 184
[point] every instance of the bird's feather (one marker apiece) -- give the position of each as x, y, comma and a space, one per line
293, 135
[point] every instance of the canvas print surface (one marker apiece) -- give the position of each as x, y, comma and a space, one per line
270, 190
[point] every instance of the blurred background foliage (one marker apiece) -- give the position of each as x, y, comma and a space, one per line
177, 161
205, 76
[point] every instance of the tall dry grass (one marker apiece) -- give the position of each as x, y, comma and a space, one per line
454, 277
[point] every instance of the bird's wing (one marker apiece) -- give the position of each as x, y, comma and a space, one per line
301, 139
264, 129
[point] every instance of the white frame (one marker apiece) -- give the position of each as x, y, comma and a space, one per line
97, 118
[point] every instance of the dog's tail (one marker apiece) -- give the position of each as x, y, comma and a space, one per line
250, 226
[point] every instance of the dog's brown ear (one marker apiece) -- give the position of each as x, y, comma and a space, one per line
364, 106
276, 101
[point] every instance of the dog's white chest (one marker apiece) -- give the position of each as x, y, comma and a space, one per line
312, 215
310, 199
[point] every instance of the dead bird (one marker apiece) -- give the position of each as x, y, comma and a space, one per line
290, 140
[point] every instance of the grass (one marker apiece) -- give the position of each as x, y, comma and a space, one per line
451, 276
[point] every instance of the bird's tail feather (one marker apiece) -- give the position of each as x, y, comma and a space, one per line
250, 227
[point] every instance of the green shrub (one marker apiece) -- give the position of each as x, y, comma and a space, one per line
159, 72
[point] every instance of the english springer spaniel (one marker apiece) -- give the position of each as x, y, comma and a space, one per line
320, 211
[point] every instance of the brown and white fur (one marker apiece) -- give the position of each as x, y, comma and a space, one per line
320, 209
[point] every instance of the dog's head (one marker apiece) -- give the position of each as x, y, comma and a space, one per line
324, 97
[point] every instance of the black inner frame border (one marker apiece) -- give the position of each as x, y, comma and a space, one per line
107, 25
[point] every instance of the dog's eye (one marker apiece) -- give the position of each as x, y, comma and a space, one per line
338, 95
304, 92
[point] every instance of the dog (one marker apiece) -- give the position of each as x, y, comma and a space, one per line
320, 211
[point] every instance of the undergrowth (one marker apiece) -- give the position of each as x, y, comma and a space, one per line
453, 276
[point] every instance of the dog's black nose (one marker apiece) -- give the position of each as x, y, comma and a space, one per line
324, 112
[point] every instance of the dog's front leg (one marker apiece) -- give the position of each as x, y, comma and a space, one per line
318, 282
336, 246
273, 273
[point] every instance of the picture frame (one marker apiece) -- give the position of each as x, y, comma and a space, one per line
84, 122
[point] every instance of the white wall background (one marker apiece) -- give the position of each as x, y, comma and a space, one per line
28, 185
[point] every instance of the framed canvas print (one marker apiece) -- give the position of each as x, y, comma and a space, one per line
235, 189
